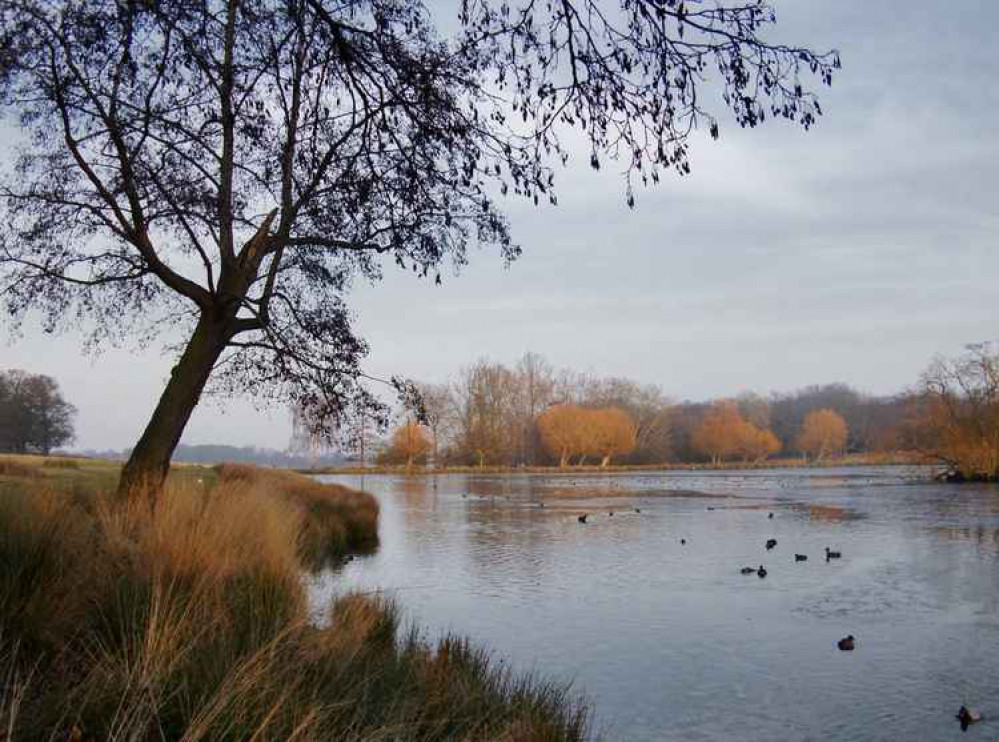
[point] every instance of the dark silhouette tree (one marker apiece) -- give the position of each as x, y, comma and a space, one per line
229, 168
34, 417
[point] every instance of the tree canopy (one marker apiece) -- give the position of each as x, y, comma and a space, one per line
34, 417
232, 167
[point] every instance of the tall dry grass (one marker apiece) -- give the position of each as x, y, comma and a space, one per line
191, 621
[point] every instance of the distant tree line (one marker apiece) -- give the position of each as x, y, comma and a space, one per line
531, 413
34, 417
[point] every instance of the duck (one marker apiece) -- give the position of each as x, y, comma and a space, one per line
847, 643
801, 557
771, 543
968, 716
610, 514
582, 518
710, 508
771, 515
748, 570
830, 554
762, 572
683, 542
638, 510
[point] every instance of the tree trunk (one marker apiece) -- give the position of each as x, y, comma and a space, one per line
149, 463
605, 461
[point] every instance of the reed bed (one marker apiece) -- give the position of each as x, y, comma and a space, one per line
190, 621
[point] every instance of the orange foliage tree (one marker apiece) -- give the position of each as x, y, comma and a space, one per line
757, 444
562, 431
822, 434
725, 433
568, 430
409, 443
612, 432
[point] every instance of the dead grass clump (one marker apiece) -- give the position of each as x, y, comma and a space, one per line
335, 520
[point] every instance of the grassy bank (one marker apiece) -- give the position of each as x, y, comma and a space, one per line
865, 459
191, 622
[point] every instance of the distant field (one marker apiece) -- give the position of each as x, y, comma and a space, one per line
67, 473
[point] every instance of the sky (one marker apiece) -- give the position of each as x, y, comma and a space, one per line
853, 252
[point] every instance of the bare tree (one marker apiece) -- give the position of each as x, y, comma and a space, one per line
230, 167
537, 385
957, 412
438, 415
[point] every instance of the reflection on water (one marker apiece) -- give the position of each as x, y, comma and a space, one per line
670, 640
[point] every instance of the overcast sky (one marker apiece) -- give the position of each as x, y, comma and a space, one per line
851, 253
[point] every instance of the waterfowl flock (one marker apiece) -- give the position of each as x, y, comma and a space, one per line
966, 716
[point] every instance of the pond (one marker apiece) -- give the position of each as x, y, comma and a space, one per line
669, 640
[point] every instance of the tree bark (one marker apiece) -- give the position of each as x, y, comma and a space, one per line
149, 463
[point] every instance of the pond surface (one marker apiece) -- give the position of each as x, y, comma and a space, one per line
670, 641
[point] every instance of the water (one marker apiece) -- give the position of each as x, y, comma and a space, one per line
671, 641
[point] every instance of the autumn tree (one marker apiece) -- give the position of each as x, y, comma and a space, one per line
409, 442
956, 415
34, 417
757, 444
718, 435
647, 407
233, 166
823, 433
562, 434
612, 432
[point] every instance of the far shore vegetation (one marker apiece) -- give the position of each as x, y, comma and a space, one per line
190, 620
532, 417
900, 458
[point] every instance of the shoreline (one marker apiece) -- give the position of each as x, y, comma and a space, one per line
422, 471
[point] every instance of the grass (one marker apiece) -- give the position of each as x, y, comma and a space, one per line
191, 621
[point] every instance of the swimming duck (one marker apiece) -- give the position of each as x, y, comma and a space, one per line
683, 542
582, 518
801, 557
638, 510
771, 543
748, 570
832, 554
761, 572
968, 716
846, 644
771, 516
610, 514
